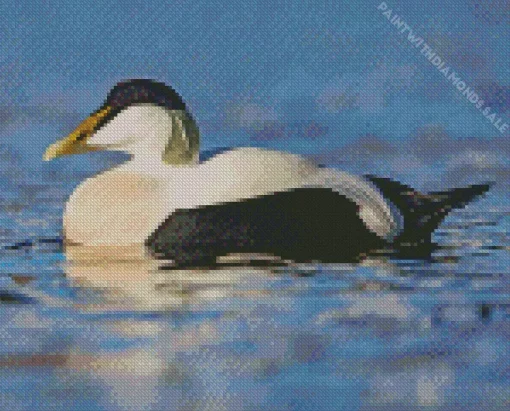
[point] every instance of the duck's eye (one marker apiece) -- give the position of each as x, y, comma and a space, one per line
81, 137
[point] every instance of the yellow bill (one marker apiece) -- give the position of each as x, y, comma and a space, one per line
75, 142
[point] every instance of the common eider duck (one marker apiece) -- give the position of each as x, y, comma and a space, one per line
243, 200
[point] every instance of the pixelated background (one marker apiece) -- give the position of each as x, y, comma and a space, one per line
332, 80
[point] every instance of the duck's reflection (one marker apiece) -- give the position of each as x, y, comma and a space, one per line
129, 278
172, 359
143, 336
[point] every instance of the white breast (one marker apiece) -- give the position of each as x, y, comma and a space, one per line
115, 208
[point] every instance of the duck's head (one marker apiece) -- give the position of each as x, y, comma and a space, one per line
142, 117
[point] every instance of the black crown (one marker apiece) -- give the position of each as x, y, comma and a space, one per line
139, 91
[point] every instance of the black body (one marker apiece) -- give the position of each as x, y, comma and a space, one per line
301, 225
304, 224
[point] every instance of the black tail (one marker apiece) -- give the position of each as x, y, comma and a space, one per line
423, 213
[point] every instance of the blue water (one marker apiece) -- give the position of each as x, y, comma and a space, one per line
94, 334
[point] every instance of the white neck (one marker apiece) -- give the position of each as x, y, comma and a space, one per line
149, 139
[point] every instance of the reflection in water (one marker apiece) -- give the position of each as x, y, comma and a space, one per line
117, 330
129, 279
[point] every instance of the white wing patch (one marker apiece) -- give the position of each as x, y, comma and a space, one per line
377, 214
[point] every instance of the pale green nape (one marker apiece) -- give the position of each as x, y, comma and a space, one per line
184, 143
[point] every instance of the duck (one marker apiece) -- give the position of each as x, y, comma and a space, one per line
177, 206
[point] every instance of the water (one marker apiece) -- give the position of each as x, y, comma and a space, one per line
86, 333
